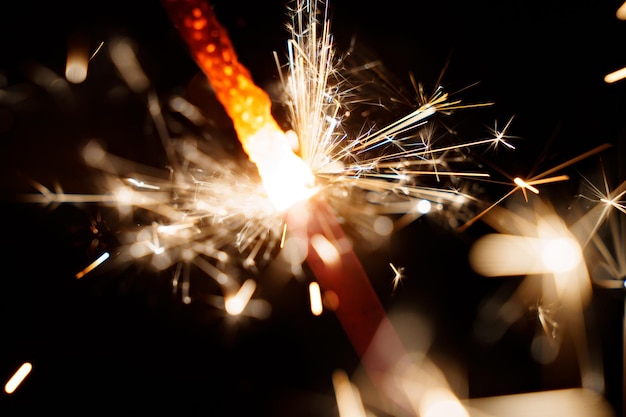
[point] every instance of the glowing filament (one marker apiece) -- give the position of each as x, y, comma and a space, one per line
286, 177
18, 377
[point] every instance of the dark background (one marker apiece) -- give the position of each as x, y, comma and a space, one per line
121, 342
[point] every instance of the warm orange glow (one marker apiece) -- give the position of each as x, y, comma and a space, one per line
286, 177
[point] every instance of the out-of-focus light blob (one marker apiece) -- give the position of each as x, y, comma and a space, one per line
383, 225
621, 12
125, 60
440, 402
560, 254
93, 265
315, 297
573, 402
77, 59
235, 305
347, 395
545, 248
615, 76
498, 255
538, 242
424, 206
18, 377
325, 249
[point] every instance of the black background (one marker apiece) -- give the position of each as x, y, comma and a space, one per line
120, 342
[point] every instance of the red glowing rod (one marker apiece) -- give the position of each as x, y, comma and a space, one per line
337, 268
330, 258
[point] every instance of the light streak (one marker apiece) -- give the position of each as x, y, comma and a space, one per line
606, 254
93, 265
615, 76
315, 297
124, 58
18, 377
572, 402
529, 184
235, 305
347, 395
77, 60
398, 275
501, 136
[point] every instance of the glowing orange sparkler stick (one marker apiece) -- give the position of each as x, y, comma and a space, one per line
333, 263
248, 106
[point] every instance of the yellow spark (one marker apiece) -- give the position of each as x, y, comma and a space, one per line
399, 275
315, 297
125, 60
501, 136
18, 377
93, 265
524, 185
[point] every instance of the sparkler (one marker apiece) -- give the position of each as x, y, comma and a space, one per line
208, 203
